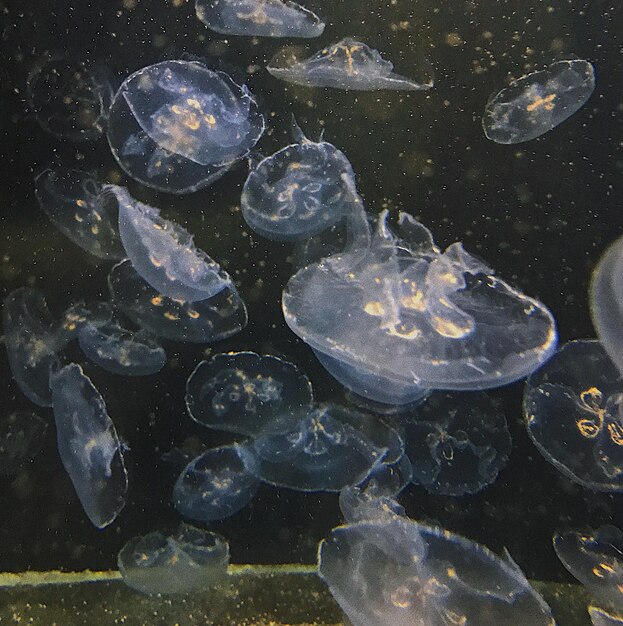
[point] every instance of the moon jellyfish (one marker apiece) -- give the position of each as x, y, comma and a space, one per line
398, 312
189, 560
214, 485
247, 393
299, 191
178, 126
595, 558
392, 570
216, 318
33, 339
457, 444
573, 409
119, 350
259, 18
347, 64
88, 445
164, 253
21, 437
75, 204
600, 617
606, 300
327, 449
69, 99
534, 104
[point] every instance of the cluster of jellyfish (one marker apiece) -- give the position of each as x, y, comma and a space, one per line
403, 325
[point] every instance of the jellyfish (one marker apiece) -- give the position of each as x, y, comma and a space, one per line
214, 485
595, 558
392, 570
573, 410
299, 191
259, 18
189, 560
247, 393
399, 314
70, 99
88, 445
22, 434
177, 126
534, 104
600, 617
216, 318
457, 443
347, 64
75, 204
607, 303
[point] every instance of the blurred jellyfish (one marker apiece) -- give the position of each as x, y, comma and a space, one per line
600, 617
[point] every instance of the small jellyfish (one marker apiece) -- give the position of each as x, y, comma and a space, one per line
573, 410
392, 570
600, 617
457, 443
75, 204
191, 559
534, 104
177, 126
21, 437
397, 312
69, 99
347, 64
214, 485
205, 321
88, 445
33, 340
606, 300
299, 191
164, 253
595, 558
327, 449
117, 349
247, 393
259, 18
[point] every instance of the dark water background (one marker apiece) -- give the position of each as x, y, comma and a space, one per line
540, 213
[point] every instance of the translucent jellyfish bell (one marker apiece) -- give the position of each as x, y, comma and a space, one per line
189, 560
259, 18
347, 64
457, 443
21, 437
299, 191
400, 311
178, 126
534, 104
601, 617
164, 253
573, 409
205, 321
247, 393
392, 570
75, 205
88, 445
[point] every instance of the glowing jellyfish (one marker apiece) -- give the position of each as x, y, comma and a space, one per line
69, 99
457, 443
259, 18
601, 617
392, 570
398, 313
21, 437
214, 485
534, 104
178, 126
88, 445
189, 560
247, 393
573, 409
75, 204
347, 64
164, 253
299, 191
218, 317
